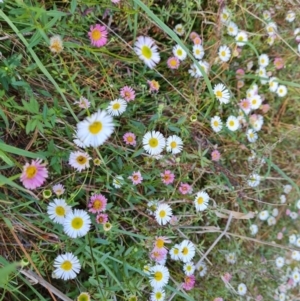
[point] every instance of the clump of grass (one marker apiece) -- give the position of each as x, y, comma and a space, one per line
139, 161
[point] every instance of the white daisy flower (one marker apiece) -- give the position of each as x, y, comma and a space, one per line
198, 51
201, 201
179, 29
202, 269
158, 294
79, 160
175, 252
296, 31
57, 210
174, 145
253, 229
95, 129
271, 221
295, 276
273, 84
254, 180
271, 40
262, 73
281, 90
241, 38
117, 107
118, 181
147, 51
77, 223
298, 204
159, 276
297, 243
287, 189
275, 212
242, 289
290, 16
279, 261
232, 29
67, 266
58, 189
282, 199
231, 258
225, 15
266, 15
257, 123
281, 297
154, 143
163, 214
179, 52
271, 28
263, 60
224, 53
189, 268
255, 101
292, 239
251, 135
194, 71
232, 123
186, 251
216, 124
252, 91
152, 206
263, 215
293, 215
222, 93
295, 255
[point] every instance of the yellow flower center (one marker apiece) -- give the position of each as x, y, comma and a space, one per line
280, 91
60, 211
216, 123
162, 213
159, 243
200, 200
127, 94
253, 101
66, 265
231, 123
129, 139
158, 276
179, 52
81, 160
185, 251
77, 223
116, 106
173, 63
173, 144
223, 53
95, 127
219, 94
146, 52
97, 204
153, 142
158, 295
176, 251
31, 172
135, 177
262, 61
96, 34
240, 38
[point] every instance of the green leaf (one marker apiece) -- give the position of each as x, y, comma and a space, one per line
20, 152
6, 159
5, 272
73, 6
2, 114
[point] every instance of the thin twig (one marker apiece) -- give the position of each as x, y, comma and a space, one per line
37, 279
215, 242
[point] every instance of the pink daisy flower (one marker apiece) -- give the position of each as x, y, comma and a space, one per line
34, 174
197, 41
83, 103
227, 277
218, 299
127, 93
136, 178
173, 62
245, 105
193, 35
153, 85
159, 243
167, 177
215, 155
239, 73
102, 218
185, 188
129, 138
58, 189
115, 1
98, 35
97, 203
159, 256
189, 282
278, 63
